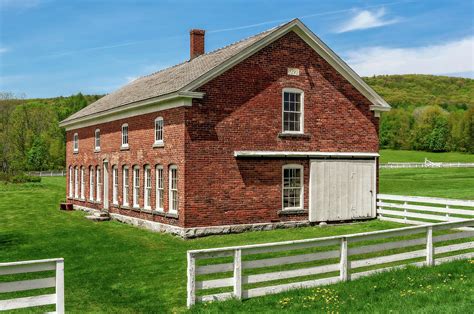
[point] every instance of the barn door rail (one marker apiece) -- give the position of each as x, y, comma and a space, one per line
260, 269
55, 265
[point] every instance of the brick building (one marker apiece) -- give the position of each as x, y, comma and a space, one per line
274, 130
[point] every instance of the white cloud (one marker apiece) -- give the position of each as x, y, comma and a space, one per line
366, 19
3, 50
450, 57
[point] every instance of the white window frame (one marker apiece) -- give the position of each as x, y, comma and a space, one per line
173, 207
293, 91
115, 185
125, 133
97, 140
76, 142
292, 166
91, 183
83, 184
160, 188
76, 183
159, 141
98, 174
125, 187
147, 187
136, 187
71, 189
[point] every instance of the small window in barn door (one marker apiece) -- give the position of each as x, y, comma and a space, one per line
292, 187
292, 108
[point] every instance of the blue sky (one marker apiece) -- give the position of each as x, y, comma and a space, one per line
50, 48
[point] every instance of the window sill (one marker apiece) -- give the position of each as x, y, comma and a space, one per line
292, 212
124, 147
75, 152
97, 150
158, 145
294, 135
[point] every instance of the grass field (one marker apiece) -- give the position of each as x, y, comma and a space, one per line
388, 155
112, 267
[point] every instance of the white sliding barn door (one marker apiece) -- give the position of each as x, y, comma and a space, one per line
342, 189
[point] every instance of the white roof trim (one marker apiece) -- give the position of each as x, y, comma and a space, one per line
131, 109
256, 153
379, 104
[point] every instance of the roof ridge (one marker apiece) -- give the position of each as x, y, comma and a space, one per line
211, 52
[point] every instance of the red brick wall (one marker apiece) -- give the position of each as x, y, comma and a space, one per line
242, 111
141, 153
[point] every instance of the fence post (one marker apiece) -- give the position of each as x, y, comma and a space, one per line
60, 286
429, 247
238, 274
405, 212
344, 264
191, 300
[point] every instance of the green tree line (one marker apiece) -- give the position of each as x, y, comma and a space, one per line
431, 113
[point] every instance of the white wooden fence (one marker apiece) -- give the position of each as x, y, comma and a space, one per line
418, 210
57, 298
426, 164
48, 173
328, 260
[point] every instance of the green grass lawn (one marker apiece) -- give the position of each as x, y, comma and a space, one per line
112, 267
440, 182
388, 155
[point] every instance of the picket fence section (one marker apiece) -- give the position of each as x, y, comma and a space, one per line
57, 282
426, 164
418, 210
335, 258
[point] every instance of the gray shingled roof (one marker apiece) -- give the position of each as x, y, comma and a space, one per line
168, 80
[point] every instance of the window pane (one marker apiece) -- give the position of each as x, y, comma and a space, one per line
292, 112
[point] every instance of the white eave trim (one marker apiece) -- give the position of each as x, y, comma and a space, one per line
256, 154
136, 108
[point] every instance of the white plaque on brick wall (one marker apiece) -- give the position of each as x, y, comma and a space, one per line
293, 71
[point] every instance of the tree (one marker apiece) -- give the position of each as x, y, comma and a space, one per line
38, 156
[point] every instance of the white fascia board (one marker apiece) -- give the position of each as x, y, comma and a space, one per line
255, 154
174, 100
313, 41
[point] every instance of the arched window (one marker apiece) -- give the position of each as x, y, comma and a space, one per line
173, 189
83, 184
91, 183
76, 182
71, 189
159, 131
115, 183
98, 196
293, 110
125, 135
136, 186
125, 186
97, 140
159, 187
147, 188
292, 187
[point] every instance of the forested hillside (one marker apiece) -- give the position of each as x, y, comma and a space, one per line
432, 113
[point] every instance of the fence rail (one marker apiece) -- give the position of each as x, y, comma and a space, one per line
417, 210
57, 282
426, 164
48, 173
327, 260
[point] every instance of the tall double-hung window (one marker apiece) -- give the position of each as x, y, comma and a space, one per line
125, 186
71, 189
76, 182
147, 188
99, 184
115, 183
159, 129
173, 189
83, 184
292, 194
91, 183
97, 140
159, 187
136, 186
293, 110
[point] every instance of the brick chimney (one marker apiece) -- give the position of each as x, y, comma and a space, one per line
196, 41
